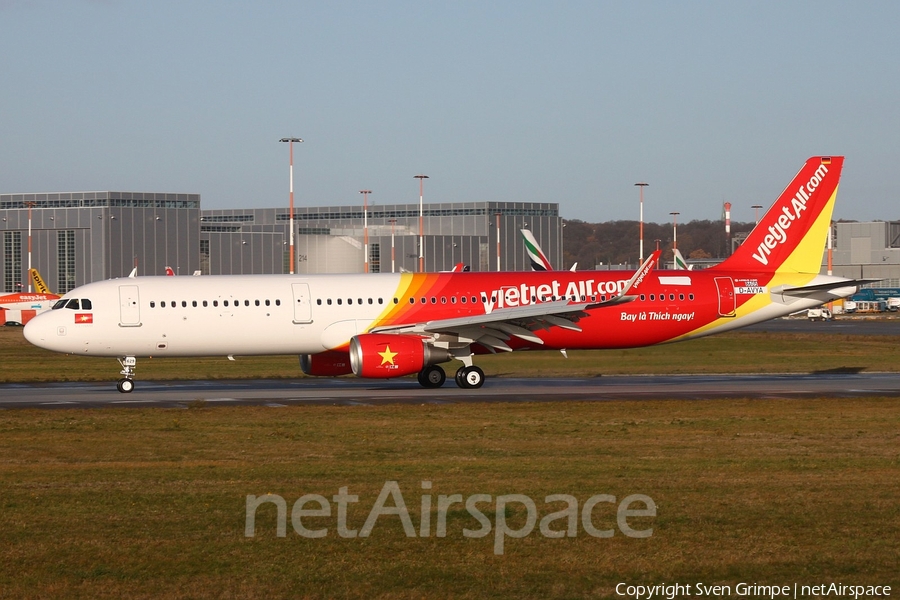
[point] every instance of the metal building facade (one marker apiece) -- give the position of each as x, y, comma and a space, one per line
330, 238
80, 237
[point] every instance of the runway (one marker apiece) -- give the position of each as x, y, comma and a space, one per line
350, 392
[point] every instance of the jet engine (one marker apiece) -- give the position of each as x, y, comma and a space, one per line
326, 364
383, 355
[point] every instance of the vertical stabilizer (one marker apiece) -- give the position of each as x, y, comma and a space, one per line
790, 237
539, 260
39, 286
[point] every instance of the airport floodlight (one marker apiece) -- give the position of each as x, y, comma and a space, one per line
641, 185
421, 179
291, 141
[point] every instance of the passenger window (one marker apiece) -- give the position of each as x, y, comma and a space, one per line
359, 301
642, 298
152, 304
267, 302
349, 300
174, 303
412, 300
278, 303
381, 301
433, 300
225, 303
162, 304
423, 300
474, 300
246, 303
340, 301
327, 302
681, 296
671, 297
194, 303
319, 302
691, 296
452, 299
205, 304
184, 304
652, 297
215, 303
396, 300
443, 299
370, 301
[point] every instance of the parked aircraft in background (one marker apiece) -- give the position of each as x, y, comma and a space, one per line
680, 263
19, 308
539, 260
390, 325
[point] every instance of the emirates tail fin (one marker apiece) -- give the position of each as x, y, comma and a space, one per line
791, 236
539, 260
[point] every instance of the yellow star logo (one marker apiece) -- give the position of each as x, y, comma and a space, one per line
387, 357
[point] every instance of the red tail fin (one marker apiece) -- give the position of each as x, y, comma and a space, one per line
791, 235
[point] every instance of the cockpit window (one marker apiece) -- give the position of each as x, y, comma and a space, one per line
86, 304
74, 304
60, 303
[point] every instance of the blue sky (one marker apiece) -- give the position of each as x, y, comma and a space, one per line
569, 102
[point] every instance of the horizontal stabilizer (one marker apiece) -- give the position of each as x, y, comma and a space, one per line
809, 290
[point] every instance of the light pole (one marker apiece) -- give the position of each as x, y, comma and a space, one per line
756, 207
291, 141
498, 242
30, 205
392, 244
674, 230
421, 179
642, 185
365, 194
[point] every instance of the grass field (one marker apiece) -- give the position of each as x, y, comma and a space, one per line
151, 503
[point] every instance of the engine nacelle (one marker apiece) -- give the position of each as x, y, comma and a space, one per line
326, 364
384, 355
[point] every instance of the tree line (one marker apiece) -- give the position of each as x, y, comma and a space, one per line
617, 242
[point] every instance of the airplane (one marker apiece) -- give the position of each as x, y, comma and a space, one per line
21, 307
536, 256
385, 325
680, 263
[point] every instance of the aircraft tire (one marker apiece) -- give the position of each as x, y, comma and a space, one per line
432, 377
472, 378
125, 386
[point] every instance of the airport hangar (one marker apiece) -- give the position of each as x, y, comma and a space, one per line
80, 237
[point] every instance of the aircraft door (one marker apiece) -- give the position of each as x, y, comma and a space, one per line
129, 306
302, 303
727, 303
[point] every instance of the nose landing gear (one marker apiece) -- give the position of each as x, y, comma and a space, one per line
126, 384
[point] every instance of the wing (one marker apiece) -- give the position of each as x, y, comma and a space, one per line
492, 330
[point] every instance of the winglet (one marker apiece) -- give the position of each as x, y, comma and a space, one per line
791, 235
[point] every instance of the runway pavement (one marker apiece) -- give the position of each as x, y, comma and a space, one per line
350, 392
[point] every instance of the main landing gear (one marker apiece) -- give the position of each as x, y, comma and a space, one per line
468, 377
126, 384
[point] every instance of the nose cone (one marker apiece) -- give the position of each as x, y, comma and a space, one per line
38, 330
